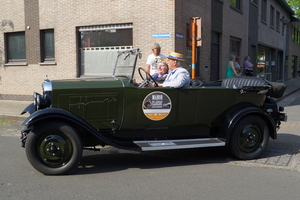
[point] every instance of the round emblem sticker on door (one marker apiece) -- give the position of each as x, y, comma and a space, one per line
157, 106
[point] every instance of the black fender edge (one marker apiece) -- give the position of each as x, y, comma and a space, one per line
233, 118
56, 113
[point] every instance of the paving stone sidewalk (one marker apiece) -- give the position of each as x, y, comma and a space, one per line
283, 153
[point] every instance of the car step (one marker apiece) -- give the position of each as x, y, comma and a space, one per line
153, 145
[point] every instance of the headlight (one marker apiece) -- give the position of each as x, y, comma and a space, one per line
43, 101
40, 101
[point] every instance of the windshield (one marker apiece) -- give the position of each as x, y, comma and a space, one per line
125, 63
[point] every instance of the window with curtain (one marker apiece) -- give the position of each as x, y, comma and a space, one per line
235, 44
15, 47
47, 45
99, 46
272, 13
277, 20
264, 10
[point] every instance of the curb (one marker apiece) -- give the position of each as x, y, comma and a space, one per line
13, 117
286, 95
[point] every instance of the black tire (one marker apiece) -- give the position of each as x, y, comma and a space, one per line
53, 148
249, 138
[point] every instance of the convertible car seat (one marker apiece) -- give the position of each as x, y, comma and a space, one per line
240, 81
276, 89
195, 82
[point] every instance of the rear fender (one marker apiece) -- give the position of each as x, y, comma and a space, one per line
235, 116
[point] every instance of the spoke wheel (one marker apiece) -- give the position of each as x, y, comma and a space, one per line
53, 148
250, 137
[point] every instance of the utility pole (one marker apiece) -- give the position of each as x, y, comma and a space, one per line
196, 40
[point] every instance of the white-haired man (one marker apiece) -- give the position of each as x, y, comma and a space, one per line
151, 66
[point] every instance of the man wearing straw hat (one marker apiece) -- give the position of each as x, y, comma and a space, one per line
178, 76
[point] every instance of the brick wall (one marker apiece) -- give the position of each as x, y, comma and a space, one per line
184, 10
147, 17
64, 17
235, 24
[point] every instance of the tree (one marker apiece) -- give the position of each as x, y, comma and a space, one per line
295, 5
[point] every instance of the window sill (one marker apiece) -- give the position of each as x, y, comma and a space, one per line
263, 21
16, 64
47, 63
254, 4
236, 9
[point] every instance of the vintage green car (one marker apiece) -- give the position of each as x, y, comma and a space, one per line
71, 115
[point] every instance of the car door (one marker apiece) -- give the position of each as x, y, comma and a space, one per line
159, 108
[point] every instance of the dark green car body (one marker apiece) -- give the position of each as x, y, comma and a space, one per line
238, 112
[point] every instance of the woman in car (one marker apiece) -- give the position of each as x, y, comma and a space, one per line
162, 69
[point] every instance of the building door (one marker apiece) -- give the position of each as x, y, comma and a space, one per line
253, 56
264, 63
294, 70
215, 57
279, 65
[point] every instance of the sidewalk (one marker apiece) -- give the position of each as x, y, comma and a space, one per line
11, 110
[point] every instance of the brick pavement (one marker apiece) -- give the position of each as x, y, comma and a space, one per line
283, 153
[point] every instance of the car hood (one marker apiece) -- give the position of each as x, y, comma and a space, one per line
105, 82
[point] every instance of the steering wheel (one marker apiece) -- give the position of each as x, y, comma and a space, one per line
145, 79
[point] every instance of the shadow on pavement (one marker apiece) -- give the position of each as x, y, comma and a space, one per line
278, 153
112, 159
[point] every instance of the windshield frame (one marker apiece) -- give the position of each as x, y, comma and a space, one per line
129, 58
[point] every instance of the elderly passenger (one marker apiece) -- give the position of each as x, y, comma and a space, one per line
162, 69
178, 76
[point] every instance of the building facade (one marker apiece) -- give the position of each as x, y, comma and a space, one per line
64, 39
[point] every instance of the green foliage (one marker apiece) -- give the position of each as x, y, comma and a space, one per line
5, 121
295, 5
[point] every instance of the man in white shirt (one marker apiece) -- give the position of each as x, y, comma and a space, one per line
178, 76
151, 66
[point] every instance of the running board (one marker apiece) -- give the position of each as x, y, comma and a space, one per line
153, 145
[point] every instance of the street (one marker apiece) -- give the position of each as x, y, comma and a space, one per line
206, 173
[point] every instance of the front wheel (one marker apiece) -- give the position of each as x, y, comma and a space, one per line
53, 148
249, 138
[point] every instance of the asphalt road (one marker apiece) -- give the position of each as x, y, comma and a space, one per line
114, 174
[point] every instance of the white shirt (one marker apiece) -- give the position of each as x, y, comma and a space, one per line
178, 78
152, 61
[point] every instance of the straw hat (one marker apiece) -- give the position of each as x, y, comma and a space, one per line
176, 56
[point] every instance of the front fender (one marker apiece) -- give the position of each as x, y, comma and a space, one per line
56, 113
51, 113
233, 118
30, 109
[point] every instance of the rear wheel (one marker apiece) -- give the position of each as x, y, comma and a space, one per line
250, 137
53, 148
